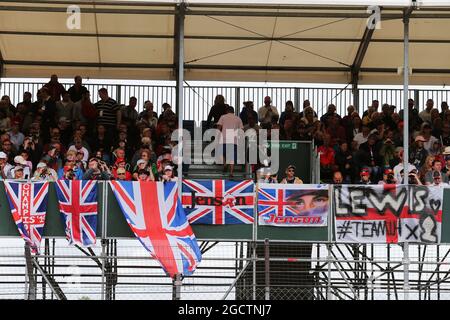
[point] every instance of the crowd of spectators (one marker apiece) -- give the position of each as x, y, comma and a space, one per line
69, 134
362, 148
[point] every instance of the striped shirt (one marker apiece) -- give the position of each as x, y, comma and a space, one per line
107, 112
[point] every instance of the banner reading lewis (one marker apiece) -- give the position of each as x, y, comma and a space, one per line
388, 213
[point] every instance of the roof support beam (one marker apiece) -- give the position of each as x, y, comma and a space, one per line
357, 62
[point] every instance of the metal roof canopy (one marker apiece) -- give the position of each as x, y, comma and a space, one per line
238, 42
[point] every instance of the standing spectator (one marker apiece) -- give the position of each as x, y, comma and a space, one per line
229, 124
217, 111
444, 108
64, 108
288, 112
425, 115
109, 114
129, 113
267, 111
55, 89
47, 111
77, 90
248, 111
148, 111
10, 107
331, 111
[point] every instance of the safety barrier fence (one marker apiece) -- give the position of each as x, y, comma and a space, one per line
199, 99
239, 262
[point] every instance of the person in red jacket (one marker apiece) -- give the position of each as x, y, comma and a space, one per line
326, 158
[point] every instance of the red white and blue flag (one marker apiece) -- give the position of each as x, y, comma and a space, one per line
28, 204
292, 205
155, 215
219, 201
78, 206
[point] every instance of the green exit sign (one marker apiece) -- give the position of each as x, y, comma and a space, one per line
284, 145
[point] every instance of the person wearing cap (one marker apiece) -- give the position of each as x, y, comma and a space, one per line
19, 161
290, 177
265, 175
143, 165
168, 174
436, 167
418, 153
18, 173
120, 171
438, 179
365, 176
388, 176
44, 173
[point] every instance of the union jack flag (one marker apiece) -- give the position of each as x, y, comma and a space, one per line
78, 206
28, 204
219, 201
155, 215
292, 204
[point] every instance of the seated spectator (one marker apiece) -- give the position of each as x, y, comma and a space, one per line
344, 161
121, 166
388, 177
78, 146
168, 174
290, 176
362, 136
338, 178
142, 165
18, 173
64, 108
5, 122
44, 173
365, 176
122, 174
76, 171
426, 168
436, 167
418, 153
264, 175
97, 170
144, 175
5, 166
427, 137
438, 179
16, 137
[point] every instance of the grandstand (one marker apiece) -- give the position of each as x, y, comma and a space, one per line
98, 91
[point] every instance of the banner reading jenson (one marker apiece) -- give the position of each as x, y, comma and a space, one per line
388, 213
293, 205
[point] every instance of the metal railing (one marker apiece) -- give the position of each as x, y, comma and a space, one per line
199, 99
